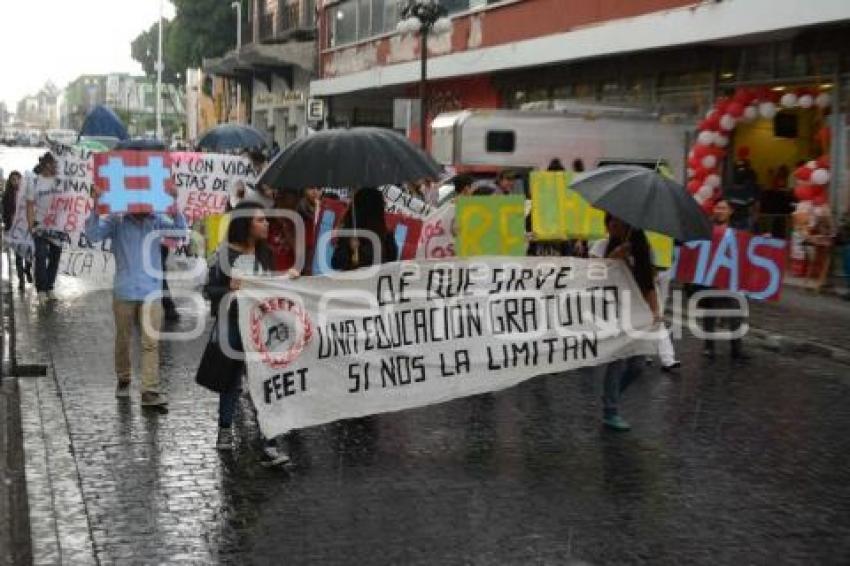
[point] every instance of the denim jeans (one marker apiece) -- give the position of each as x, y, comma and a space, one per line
22, 266
616, 378
46, 263
229, 398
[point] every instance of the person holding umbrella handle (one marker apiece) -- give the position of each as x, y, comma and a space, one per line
628, 244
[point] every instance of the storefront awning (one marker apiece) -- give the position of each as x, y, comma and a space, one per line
262, 61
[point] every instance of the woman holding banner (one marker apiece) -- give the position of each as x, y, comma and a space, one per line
247, 252
630, 245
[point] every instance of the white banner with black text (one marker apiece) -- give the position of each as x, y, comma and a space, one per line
414, 333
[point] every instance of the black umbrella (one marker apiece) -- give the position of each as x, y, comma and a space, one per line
359, 157
644, 199
230, 137
141, 144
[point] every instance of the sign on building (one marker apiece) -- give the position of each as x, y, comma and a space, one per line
315, 110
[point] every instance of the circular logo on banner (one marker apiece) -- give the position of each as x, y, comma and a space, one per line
280, 329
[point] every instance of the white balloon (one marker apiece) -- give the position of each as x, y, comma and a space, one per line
713, 180
705, 137
705, 192
767, 110
788, 100
727, 123
691, 173
806, 101
823, 100
812, 164
820, 177
720, 140
709, 161
750, 113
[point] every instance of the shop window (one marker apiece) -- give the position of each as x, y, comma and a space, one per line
501, 141
344, 23
364, 19
785, 125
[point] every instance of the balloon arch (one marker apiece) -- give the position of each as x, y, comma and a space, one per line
746, 105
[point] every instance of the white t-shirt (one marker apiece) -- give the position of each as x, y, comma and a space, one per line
39, 190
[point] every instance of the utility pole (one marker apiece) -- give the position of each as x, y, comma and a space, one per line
159, 79
238, 7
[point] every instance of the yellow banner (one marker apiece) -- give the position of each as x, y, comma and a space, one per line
560, 213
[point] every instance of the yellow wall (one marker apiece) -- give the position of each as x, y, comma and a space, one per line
769, 152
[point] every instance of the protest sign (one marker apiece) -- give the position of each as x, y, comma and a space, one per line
410, 334
133, 181
206, 182
560, 213
491, 226
402, 202
95, 267
549, 219
735, 260
438, 234
405, 229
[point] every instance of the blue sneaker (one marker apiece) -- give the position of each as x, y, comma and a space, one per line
616, 422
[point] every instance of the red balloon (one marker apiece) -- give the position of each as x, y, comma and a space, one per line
804, 192
743, 152
718, 152
820, 199
703, 125
701, 172
803, 173
744, 96
694, 185
701, 151
708, 207
735, 109
823, 162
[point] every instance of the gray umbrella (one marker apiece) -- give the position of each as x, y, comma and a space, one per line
644, 199
359, 157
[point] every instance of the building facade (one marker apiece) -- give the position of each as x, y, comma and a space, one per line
271, 72
40, 111
132, 98
674, 57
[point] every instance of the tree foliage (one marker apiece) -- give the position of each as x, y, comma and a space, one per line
200, 28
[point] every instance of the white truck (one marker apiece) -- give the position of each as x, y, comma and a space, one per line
487, 141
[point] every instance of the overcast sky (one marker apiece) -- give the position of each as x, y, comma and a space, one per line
62, 39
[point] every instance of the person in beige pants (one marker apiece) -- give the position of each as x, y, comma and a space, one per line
137, 295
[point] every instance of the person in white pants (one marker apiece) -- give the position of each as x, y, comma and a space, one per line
666, 352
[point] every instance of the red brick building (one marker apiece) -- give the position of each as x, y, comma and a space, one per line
673, 56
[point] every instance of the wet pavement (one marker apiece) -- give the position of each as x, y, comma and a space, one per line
724, 465
804, 315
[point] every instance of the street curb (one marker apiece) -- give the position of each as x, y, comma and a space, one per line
58, 519
789, 344
784, 344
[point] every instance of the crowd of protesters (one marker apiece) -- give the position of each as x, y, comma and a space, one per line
268, 233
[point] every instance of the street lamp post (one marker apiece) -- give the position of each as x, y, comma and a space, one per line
159, 78
238, 7
424, 16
